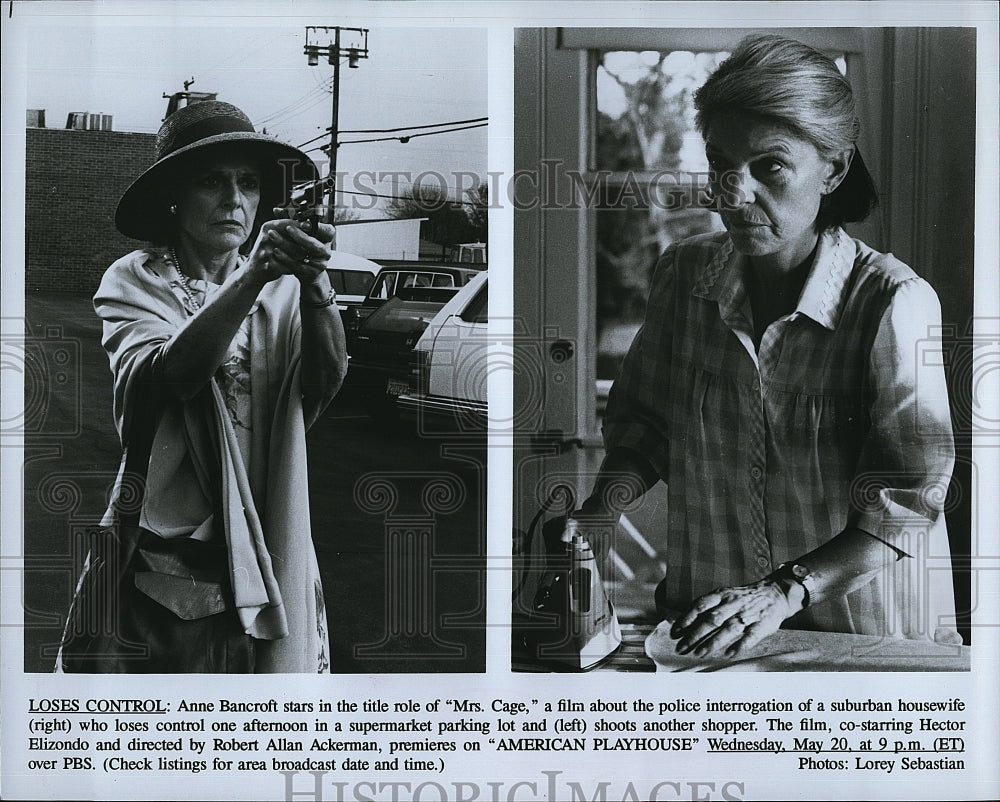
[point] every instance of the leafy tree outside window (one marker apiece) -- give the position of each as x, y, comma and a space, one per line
645, 125
651, 176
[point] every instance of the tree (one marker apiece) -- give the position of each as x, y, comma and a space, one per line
479, 204
344, 214
449, 222
646, 135
655, 115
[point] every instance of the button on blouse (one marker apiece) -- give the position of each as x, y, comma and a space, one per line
838, 420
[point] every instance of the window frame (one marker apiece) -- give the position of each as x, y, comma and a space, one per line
851, 43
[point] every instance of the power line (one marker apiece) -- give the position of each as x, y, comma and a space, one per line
293, 110
314, 94
402, 128
311, 184
324, 135
397, 177
430, 206
309, 96
413, 127
405, 139
299, 111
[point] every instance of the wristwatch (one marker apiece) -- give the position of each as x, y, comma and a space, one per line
797, 572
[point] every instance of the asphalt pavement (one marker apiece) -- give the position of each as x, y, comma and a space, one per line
398, 518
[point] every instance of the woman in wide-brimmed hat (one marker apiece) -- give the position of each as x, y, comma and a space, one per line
225, 344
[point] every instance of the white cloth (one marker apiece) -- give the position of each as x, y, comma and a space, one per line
263, 500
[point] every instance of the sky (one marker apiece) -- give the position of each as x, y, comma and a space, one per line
414, 76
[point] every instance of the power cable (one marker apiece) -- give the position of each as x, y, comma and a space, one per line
308, 97
316, 93
324, 135
312, 184
431, 206
414, 127
391, 130
405, 139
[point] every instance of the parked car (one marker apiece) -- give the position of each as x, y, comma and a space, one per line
393, 277
351, 277
449, 366
379, 364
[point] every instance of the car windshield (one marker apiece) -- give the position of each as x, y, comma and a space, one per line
350, 282
389, 283
397, 315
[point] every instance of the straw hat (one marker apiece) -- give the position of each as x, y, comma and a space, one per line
143, 212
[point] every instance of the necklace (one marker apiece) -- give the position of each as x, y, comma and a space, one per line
195, 306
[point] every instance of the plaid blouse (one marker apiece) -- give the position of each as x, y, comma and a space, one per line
840, 419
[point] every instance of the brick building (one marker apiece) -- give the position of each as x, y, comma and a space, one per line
73, 180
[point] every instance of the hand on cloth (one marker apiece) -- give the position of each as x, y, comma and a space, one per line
731, 621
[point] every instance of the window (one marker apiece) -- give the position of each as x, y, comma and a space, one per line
651, 173
350, 282
582, 270
652, 159
476, 311
384, 286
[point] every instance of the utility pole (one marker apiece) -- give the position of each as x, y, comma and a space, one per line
334, 49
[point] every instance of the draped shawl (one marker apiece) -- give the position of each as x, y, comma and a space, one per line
196, 471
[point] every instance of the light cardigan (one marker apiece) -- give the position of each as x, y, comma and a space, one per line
265, 509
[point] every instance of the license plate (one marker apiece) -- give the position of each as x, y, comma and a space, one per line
395, 387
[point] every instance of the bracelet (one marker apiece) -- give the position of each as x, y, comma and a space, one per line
330, 300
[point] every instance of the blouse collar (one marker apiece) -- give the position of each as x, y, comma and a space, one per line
823, 295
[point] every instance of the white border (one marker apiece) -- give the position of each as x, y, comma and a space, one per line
764, 778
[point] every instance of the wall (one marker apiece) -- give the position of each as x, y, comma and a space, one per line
380, 239
930, 166
72, 184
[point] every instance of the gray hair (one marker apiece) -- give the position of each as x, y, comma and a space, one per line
802, 89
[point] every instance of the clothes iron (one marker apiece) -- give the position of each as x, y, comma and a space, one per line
571, 622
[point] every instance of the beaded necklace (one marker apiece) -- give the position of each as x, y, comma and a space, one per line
184, 281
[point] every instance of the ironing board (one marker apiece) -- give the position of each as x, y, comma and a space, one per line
648, 647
